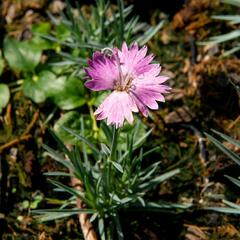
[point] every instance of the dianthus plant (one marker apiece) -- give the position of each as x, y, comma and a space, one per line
112, 180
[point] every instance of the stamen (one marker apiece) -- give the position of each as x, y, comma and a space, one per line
126, 86
127, 81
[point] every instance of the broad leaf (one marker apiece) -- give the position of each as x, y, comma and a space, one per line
4, 96
40, 87
71, 95
1, 64
21, 56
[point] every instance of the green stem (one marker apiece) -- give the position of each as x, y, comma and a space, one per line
118, 227
121, 21
102, 18
94, 122
114, 144
112, 158
109, 235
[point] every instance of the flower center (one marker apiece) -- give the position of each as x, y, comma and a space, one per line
125, 86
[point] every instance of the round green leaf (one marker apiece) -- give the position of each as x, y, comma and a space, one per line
42, 27
67, 93
62, 32
40, 87
39, 30
72, 94
21, 56
4, 96
1, 64
32, 90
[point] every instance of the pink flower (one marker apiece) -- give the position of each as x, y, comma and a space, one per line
134, 80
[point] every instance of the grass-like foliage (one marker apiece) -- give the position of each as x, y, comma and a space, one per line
78, 33
231, 207
233, 20
112, 180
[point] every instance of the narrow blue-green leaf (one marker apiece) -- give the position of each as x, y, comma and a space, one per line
60, 174
141, 200
225, 150
84, 149
106, 131
234, 180
101, 229
168, 205
141, 140
227, 138
61, 144
231, 204
126, 13
67, 189
93, 217
118, 227
159, 206
147, 173
126, 200
90, 190
44, 215
95, 150
231, 51
121, 20
159, 179
149, 152
52, 216
114, 197
224, 210
77, 163
64, 210
57, 157
234, 19
232, 2
150, 33
105, 150
117, 166
222, 38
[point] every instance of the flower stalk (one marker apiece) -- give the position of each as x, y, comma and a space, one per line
114, 144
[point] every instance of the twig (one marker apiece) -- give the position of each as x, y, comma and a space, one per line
86, 225
8, 119
14, 142
25, 136
31, 124
234, 123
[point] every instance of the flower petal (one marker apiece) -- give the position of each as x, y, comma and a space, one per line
103, 72
134, 61
117, 107
147, 90
142, 107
